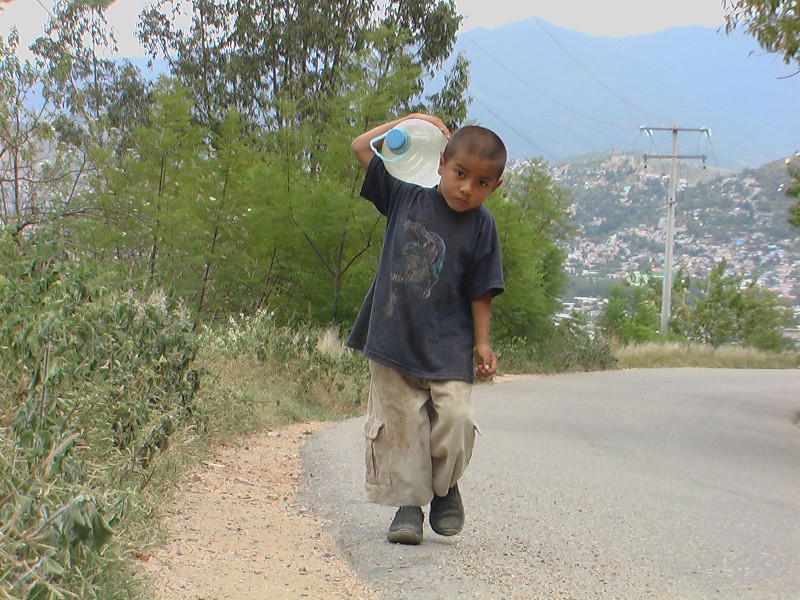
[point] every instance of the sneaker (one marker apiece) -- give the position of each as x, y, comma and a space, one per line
447, 513
406, 528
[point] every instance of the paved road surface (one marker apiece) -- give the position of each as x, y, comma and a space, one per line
663, 484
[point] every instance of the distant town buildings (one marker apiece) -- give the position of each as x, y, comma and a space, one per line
731, 217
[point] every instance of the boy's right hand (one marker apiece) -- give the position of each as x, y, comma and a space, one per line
486, 360
431, 119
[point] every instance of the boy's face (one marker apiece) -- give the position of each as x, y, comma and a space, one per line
467, 181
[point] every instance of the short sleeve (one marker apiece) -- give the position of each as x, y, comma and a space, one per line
485, 271
379, 185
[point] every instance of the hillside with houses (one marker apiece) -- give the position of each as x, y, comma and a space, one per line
620, 201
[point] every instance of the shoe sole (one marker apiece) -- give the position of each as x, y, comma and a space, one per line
405, 536
445, 531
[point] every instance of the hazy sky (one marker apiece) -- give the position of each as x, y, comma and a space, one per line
616, 18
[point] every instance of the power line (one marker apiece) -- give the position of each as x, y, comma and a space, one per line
540, 92
592, 75
707, 133
42, 4
649, 132
514, 129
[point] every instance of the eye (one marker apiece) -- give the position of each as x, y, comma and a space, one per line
483, 183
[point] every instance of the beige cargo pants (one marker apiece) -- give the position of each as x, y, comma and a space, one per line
419, 436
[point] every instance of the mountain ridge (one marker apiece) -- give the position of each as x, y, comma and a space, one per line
556, 93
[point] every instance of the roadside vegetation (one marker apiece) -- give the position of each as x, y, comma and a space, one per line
655, 355
109, 398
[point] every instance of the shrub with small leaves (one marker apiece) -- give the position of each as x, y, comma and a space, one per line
94, 384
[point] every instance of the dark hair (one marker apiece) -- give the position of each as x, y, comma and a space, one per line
478, 141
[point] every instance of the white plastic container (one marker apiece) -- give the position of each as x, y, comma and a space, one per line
411, 151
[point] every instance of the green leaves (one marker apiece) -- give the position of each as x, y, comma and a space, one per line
532, 220
720, 310
774, 23
95, 385
793, 191
103, 4
84, 524
631, 315
252, 55
727, 310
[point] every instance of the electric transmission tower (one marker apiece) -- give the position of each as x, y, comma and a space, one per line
666, 294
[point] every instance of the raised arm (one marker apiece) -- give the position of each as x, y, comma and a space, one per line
361, 148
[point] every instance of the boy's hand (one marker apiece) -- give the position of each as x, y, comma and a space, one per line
361, 145
485, 359
434, 120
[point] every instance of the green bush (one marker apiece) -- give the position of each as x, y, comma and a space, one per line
566, 347
94, 384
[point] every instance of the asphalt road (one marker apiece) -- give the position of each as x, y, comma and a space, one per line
664, 484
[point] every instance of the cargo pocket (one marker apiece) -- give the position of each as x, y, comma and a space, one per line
377, 456
469, 445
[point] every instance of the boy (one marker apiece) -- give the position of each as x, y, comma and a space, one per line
425, 316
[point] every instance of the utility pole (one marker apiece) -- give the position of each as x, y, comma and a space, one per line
666, 294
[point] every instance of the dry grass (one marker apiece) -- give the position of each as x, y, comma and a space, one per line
244, 395
261, 375
674, 354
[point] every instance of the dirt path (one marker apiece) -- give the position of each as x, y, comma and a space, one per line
234, 532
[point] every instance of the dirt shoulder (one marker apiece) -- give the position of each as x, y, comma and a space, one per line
234, 532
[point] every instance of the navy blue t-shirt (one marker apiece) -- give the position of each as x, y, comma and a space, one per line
417, 317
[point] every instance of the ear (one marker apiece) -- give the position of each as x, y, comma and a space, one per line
441, 162
497, 185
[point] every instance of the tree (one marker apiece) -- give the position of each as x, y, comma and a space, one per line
137, 202
774, 23
200, 214
55, 113
533, 221
776, 26
448, 103
311, 76
98, 97
225, 228
78, 78
720, 310
793, 191
725, 309
253, 55
763, 318
37, 173
631, 315
712, 318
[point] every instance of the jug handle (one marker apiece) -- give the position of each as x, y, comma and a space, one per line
378, 152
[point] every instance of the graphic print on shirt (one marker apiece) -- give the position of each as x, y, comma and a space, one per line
420, 259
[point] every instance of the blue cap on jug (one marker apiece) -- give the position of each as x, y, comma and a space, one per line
397, 140
411, 151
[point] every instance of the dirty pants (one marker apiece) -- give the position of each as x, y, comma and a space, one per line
419, 436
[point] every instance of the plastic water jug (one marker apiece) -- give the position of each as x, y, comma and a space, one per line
411, 151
